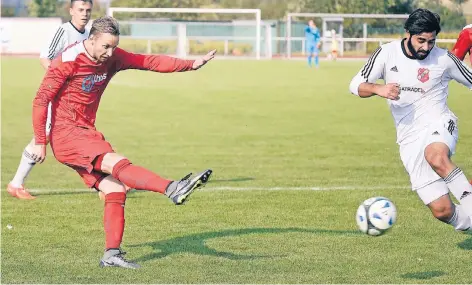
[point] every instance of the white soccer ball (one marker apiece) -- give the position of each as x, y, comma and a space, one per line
376, 215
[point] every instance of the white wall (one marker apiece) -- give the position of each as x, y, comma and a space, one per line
26, 35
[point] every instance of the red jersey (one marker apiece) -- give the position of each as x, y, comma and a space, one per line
464, 44
74, 84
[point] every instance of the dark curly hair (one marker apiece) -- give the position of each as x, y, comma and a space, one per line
423, 21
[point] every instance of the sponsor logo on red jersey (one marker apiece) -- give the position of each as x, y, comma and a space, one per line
90, 81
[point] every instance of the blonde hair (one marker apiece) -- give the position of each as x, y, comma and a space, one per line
105, 25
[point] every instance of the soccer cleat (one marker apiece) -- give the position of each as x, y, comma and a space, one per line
179, 191
114, 258
20, 193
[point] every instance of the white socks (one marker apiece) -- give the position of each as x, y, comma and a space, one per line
461, 189
26, 164
460, 220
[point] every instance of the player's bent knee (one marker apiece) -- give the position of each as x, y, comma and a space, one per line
119, 167
111, 185
443, 214
437, 159
442, 209
110, 161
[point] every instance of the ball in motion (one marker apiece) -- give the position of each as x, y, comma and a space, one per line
376, 215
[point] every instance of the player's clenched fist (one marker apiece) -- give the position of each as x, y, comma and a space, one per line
390, 91
38, 153
202, 61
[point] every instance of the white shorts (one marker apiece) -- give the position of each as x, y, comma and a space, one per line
433, 191
412, 154
48, 120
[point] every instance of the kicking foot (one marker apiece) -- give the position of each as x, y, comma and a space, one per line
179, 191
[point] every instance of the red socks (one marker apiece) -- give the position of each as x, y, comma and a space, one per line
114, 219
135, 177
138, 177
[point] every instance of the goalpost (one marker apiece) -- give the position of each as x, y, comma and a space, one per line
183, 38
339, 19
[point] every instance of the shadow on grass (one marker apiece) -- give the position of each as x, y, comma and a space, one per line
466, 244
423, 275
196, 243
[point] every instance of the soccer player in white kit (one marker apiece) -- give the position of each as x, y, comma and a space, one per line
416, 75
66, 35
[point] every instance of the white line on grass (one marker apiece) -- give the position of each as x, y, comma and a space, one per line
314, 188
232, 188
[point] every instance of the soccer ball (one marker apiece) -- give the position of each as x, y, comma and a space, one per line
376, 215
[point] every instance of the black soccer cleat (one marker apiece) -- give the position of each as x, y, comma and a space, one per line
179, 191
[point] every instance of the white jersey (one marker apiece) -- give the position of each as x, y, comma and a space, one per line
423, 85
64, 36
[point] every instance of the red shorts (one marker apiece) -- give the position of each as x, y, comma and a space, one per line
77, 148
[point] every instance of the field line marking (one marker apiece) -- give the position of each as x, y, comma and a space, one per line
235, 188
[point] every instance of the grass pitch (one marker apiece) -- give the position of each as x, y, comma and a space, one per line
270, 130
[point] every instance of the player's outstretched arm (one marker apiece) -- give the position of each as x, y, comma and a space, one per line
158, 63
198, 63
458, 71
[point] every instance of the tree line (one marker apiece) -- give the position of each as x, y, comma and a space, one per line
452, 15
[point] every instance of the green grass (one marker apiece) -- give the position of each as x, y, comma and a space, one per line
257, 125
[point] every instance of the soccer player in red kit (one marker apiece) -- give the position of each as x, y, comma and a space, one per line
464, 44
74, 83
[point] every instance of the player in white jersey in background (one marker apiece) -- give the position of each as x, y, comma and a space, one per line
67, 34
416, 75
